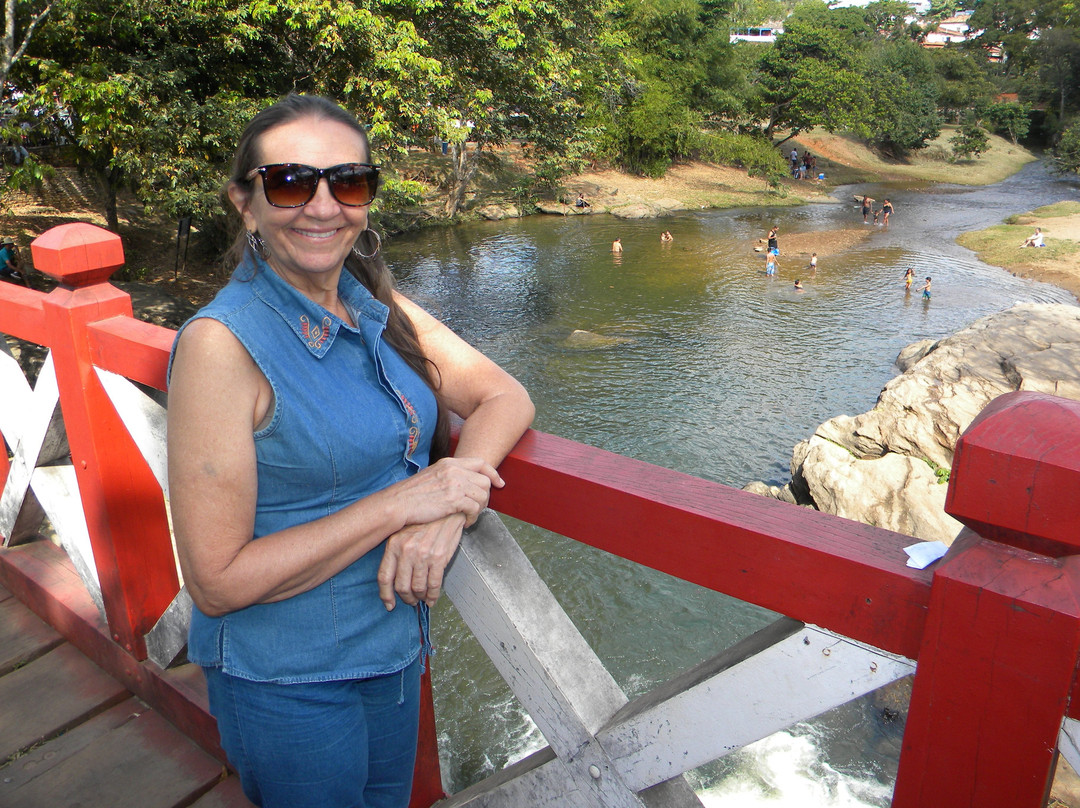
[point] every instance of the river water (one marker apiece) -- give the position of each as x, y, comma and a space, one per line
710, 368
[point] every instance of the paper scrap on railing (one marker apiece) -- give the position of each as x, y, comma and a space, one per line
925, 553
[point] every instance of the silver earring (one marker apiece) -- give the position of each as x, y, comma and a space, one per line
378, 245
257, 245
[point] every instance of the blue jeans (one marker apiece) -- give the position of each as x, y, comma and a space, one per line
349, 744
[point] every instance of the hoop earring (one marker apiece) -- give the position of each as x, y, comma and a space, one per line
257, 245
378, 245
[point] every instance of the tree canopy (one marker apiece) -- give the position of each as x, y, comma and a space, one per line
152, 96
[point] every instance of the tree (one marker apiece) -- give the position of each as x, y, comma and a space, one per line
1066, 154
1011, 119
970, 141
903, 113
32, 14
813, 75
961, 80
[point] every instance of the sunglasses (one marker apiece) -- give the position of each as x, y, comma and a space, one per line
293, 185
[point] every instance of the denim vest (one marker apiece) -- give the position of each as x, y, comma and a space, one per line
350, 418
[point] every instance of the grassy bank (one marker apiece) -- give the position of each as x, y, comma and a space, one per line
1057, 263
849, 161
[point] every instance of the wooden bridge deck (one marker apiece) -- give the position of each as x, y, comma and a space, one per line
71, 734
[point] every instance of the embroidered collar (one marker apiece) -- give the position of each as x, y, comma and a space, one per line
311, 323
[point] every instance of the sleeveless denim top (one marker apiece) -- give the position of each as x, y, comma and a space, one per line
350, 418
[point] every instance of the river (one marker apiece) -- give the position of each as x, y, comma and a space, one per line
716, 370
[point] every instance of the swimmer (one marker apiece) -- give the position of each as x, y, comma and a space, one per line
867, 207
799, 286
616, 245
666, 237
926, 289
909, 278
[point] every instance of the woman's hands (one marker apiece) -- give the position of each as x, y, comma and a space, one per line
452, 485
415, 560
438, 502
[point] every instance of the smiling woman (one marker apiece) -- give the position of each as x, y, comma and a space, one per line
312, 541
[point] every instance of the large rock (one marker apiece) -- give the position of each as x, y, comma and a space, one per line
879, 467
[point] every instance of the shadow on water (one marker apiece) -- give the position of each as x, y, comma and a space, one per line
703, 364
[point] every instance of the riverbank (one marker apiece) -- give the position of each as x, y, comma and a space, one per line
154, 257
1057, 263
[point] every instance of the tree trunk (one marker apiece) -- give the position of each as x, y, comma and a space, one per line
110, 178
464, 168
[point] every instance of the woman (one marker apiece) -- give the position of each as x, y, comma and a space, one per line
311, 529
772, 245
886, 211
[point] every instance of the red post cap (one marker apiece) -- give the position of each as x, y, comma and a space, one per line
78, 254
1016, 473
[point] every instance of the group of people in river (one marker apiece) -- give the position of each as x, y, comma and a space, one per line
868, 209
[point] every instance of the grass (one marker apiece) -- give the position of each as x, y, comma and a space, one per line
1045, 212
1000, 246
846, 160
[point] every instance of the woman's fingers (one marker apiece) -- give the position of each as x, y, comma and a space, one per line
415, 561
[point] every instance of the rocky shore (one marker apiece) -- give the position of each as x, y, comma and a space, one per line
888, 467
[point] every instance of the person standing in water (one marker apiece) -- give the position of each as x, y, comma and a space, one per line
867, 208
812, 266
926, 289
909, 278
771, 265
616, 245
773, 246
886, 211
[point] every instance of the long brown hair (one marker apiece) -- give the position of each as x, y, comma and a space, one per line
371, 272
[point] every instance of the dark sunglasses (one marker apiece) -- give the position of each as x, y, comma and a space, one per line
293, 185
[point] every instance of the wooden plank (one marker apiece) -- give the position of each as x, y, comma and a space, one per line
226, 794
132, 348
783, 674
23, 635
143, 763
21, 313
41, 759
51, 694
753, 548
993, 681
42, 577
553, 672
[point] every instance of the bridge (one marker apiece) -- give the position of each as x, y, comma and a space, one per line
990, 634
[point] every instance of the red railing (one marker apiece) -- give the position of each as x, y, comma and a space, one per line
995, 627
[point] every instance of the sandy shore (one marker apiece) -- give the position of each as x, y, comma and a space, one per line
1057, 264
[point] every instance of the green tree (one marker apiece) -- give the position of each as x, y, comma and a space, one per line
1066, 154
962, 83
903, 113
970, 141
20, 22
813, 75
1010, 119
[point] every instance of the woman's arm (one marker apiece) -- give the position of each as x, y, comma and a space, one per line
496, 410
495, 407
217, 399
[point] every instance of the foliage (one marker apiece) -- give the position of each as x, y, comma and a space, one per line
1010, 120
756, 155
903, 113
1066, 153
970, 141
812, 75
962, 83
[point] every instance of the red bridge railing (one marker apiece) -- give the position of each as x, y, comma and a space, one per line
994, 627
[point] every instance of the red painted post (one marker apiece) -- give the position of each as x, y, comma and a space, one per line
427, 776
1001, 646
122, 502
